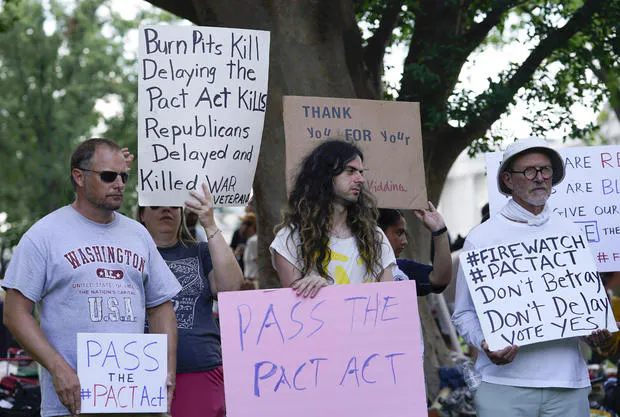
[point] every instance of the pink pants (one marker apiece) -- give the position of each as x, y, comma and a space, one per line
199, 394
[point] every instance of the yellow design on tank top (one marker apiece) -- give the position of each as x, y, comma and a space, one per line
340, 273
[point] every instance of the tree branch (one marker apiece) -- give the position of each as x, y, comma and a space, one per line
608, 77
375, 48
503, 95
182, 8
479, 31
364, 84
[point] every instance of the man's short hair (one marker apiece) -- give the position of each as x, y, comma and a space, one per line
82, 156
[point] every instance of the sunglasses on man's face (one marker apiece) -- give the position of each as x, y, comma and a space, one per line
109, 176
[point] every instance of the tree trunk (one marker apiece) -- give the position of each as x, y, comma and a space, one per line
436, 353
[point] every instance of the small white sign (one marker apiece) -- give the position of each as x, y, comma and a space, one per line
536, 289
122, 372
589, 195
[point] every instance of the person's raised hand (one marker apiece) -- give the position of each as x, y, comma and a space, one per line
203, 208
129, 157
430, 217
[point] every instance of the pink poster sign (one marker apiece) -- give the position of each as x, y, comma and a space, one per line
354, 350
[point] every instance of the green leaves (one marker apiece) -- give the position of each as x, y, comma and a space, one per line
58, 64
577, 63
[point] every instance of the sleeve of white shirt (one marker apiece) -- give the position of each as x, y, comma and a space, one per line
464, 318
285, 243
250, 257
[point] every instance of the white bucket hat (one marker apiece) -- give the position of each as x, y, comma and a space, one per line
530, 145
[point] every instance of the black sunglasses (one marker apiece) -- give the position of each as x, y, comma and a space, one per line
109, 176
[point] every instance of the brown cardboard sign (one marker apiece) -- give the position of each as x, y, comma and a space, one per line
388, 132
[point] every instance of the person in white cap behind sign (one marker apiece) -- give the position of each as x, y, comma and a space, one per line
542, 379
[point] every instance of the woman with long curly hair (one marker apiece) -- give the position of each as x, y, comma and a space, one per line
329, 231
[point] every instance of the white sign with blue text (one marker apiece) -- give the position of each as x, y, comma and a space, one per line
122, 372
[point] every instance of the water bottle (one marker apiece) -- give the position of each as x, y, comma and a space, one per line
470, 375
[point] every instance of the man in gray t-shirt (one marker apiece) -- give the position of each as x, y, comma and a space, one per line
87, 268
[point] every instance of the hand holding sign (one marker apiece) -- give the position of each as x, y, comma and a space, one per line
203, 209
598, 337
128, 157
500, 357
309, 285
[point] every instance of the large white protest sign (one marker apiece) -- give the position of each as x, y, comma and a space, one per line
589, 196
538, 289
202, 96
122, 372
